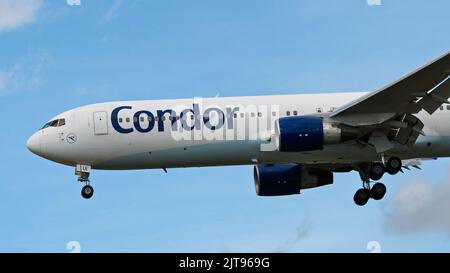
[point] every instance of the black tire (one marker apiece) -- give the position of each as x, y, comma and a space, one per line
87, 192
361, 197
378, 191
393, 165
376, 171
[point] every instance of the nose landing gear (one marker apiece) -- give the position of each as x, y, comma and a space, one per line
83, 176
87, 192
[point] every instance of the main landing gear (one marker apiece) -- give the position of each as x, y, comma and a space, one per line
375, 171
376, 192
83, 176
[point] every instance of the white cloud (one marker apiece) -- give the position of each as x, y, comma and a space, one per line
73, 2
3, 78
25, 74
420, 207
112, 11
15, 13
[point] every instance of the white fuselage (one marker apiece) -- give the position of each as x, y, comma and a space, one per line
208, 132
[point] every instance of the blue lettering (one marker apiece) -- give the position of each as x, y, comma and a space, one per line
172, 117
150, 118
115, 120
195, 113
162, 115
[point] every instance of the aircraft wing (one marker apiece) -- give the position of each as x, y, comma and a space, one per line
426, 88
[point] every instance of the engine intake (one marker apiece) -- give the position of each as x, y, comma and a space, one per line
303, 133
287, 179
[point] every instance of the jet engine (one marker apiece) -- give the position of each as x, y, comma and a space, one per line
287, 179
307, 133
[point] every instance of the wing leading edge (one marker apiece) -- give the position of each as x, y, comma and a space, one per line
426, 88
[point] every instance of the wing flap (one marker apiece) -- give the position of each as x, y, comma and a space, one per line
431, 101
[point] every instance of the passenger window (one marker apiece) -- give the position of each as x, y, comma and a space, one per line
274, 113
442, 107
149, 119
259, 114
135, 119
235, 115
253, 115
448, 107
319, 110
142, 119
192, 117
120, 120
288, 113
295, 113
127, 119
242, 115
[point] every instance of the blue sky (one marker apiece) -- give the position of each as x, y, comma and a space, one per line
55, 57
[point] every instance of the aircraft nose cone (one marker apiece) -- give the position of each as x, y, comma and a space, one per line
34, 144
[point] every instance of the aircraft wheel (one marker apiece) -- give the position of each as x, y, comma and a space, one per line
361, 197
87, 192
378, 191
376, 171
393, 165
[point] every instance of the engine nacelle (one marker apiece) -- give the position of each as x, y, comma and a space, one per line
307, 133
287, 179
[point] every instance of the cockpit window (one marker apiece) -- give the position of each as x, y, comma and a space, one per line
52, 123
55, 123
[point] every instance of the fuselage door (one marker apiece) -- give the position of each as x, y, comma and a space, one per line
100, 123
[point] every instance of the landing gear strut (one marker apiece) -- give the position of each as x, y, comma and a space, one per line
83, 176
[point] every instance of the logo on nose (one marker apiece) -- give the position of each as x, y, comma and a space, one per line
71, 138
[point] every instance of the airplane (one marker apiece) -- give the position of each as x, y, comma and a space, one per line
294, 142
